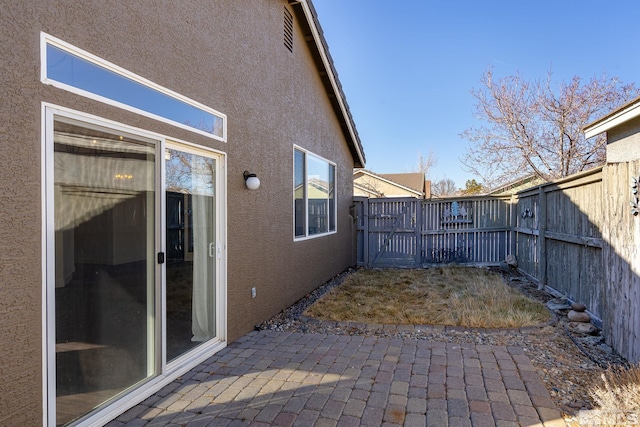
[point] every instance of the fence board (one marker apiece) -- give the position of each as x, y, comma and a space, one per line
572, 238
526, 230
415, 233
621, 294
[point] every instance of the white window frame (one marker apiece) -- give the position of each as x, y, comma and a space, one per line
166, 371
333, 212
46, 39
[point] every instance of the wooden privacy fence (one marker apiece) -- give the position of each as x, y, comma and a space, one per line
554, 230
408, 232
558, 235
577, 236
582, 242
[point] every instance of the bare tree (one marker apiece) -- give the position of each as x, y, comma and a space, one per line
426, 164
444, 187
534, 129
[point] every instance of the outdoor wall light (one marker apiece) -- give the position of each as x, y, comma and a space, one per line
251, 180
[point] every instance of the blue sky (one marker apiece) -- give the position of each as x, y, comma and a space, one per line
407, 67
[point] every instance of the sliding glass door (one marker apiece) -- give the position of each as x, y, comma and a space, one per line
192, 249
105, 293
134, 263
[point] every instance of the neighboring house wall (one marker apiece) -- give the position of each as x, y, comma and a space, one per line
225, 54
367, 184
623, 142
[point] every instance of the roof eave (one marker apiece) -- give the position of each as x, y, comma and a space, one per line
305, 9
623, 114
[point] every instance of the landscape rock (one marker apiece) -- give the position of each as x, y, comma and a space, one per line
582, 328
578, 306
511, 261
555, 304
594, 340
579, 316
605, 348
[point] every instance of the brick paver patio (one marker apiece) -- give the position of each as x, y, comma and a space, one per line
292, 379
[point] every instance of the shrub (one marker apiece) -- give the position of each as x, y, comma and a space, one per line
617, 397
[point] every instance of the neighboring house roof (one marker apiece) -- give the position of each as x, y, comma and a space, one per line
369, 184
316, 189
308, 19
411, 180
628, 111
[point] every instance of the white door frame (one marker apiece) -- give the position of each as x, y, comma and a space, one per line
165, 372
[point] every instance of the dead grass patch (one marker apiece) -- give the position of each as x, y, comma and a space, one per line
451, 296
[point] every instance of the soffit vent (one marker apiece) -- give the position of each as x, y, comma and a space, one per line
288, 30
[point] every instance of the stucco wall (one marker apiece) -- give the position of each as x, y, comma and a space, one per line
228, 55
623, 142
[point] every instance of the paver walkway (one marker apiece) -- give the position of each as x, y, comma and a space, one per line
292, 379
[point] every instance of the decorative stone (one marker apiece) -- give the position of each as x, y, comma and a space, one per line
582, 328
594, 339
578, 316
605, 348
511, 261
556, 304
578, 306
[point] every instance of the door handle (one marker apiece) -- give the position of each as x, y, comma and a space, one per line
212, 250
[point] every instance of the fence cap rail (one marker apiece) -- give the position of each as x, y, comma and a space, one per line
575, 180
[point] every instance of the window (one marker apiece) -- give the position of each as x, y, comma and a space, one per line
80, 72
314, 189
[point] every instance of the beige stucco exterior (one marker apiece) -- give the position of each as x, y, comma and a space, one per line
623, 142
621, 127
225, 54
368, 184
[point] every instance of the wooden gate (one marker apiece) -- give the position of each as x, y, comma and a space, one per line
408, 232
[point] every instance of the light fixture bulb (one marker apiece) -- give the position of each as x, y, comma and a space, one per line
253, 183
251, 180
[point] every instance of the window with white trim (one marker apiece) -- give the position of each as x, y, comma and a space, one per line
314, 190
73, 69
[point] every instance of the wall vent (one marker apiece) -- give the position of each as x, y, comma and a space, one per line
288, 30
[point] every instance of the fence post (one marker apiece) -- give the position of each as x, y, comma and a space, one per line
418, 225
513, 223
542, 241
365, 240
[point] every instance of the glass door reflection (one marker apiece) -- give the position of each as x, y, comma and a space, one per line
191, 251
104, 199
